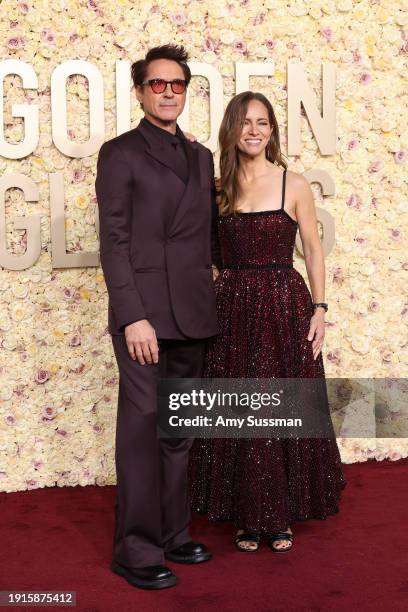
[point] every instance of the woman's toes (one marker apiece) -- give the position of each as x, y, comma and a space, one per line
281, 544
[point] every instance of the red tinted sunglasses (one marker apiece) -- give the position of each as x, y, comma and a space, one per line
158, 86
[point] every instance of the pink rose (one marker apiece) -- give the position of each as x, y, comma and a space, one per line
48, 36
45, 307
24, 7
68, 293
365, 77
327, 33
356, 57
394, 456
42, 376
79, 369
19, 389
338, 277
210, 44
375, 166
259, 18
49, 412
334, 357
75, 340
178, 18
395, 233
354, 201
16, 42
386, 356
78, 175
400, 157
239, 45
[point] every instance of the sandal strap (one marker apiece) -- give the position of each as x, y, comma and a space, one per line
249, 537
283, 535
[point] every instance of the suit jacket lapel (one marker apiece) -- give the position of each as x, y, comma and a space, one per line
156, 148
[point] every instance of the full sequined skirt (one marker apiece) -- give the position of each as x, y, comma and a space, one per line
264, 485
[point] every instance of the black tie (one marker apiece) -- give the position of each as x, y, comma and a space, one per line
181, 154
176, 145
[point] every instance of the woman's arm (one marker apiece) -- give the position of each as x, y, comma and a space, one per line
314, 257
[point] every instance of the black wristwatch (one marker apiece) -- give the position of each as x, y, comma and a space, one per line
322, 304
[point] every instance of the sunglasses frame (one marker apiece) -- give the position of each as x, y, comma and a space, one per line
151, 81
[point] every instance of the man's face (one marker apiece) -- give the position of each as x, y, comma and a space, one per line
163, 108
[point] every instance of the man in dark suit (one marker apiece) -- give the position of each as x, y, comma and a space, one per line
157, 214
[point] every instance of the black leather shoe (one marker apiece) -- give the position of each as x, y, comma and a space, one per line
151, 577
191, 552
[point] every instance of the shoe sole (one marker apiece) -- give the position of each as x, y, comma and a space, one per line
140, 582
188, 560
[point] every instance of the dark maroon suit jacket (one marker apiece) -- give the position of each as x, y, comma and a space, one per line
155, 235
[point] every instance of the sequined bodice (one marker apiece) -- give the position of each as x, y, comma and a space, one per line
257, 238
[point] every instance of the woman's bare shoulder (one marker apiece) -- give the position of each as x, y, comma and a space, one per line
296, 179
297, 183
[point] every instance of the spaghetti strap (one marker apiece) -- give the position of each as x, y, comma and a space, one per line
283, 189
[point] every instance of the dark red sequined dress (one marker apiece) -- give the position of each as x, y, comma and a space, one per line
263, 485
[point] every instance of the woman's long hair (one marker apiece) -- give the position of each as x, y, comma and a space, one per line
229, 135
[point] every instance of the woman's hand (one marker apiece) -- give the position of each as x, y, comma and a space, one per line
317, 331
190, 136
215, 272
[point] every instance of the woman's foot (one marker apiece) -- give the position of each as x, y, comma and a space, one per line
281, 541
247, 542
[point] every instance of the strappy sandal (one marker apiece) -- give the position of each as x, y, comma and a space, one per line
278, 537
247, 537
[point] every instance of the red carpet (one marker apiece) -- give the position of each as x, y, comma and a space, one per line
60, 539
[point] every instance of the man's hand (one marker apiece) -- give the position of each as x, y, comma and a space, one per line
142, 342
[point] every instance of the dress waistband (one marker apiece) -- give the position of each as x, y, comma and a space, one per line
268, 266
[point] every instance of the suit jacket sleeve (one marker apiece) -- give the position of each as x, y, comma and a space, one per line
215, 242
114, 187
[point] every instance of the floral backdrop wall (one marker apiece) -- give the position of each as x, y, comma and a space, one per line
59, 378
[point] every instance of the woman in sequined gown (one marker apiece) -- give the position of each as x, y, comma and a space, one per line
268, 328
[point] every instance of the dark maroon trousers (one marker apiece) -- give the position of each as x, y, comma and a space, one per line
152, 510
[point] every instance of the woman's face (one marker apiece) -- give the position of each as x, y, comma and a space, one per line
256, 130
